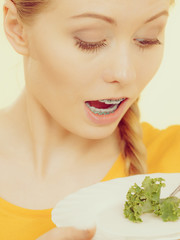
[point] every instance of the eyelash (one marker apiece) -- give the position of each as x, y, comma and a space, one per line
94, 47
90, 47
147, 43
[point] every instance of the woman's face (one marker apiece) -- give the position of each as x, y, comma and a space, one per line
83, 51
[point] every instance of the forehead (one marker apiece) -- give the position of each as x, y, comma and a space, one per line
126, 12
121, 7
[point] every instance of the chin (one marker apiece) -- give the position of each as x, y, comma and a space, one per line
97, 132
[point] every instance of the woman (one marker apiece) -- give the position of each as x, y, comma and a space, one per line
76, 122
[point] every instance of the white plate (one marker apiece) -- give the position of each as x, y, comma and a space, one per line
102, 205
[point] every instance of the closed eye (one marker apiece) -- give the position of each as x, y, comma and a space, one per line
90, 46
147, 43
95, 46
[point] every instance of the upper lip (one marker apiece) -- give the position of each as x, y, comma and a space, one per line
113, 98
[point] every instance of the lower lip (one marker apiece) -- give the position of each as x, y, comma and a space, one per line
106, 119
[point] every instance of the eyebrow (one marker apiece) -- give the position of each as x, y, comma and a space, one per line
111, 20
165, 12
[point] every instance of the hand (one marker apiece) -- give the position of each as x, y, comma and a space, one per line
68, 233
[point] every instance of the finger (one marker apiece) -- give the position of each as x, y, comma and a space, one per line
71, 233
68, 233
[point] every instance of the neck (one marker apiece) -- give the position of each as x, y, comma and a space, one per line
50, 144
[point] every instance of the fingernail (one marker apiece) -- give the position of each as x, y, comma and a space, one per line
89, 233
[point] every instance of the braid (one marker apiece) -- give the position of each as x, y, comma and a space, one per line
133, 149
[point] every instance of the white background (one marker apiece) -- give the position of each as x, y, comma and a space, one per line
160, 101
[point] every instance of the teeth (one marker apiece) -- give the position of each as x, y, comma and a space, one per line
102, 111
112, 101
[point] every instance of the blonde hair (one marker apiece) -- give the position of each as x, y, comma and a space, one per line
132, 147
28, 10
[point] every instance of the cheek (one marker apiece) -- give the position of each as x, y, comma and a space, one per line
59, 69
148, 65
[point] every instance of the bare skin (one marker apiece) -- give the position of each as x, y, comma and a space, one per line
45, 137
70, 172
68, 234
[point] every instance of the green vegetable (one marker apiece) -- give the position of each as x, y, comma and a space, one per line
146, 199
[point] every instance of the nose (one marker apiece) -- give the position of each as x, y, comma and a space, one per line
121, 67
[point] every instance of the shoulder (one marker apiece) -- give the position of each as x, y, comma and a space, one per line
163, 148
151, 134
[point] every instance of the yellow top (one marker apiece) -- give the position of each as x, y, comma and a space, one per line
163, 146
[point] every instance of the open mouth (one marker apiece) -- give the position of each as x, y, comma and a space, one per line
104, 107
